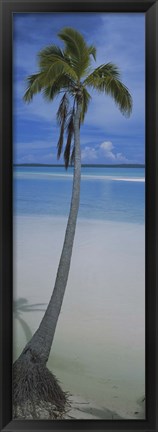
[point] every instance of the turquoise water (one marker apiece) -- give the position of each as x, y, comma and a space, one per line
116, 194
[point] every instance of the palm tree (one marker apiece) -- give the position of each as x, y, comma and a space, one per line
67, 72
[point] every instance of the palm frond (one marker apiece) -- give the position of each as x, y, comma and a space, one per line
63, 109
92, 50
105, 78
85, 103
76, 50
102, 71
60, 141
72, 158
67, 151
57, 68
61, 118
70, 133
35, 83
54, 63
47, 55
62, 83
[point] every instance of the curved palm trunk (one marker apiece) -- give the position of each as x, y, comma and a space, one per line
42, 340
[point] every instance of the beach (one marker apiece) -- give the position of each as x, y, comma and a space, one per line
98, 353
79, 157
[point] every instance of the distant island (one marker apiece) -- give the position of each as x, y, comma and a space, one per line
83, 165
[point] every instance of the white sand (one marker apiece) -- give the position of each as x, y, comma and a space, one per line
86, 409
98, 351
66, 176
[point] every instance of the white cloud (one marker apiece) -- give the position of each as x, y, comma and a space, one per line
104, 151
89, 153
107, 149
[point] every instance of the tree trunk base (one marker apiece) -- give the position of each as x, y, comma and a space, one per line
36, 391
39, 410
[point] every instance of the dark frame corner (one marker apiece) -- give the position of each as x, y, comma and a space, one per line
150, 8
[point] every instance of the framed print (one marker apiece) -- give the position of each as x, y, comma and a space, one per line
79, 215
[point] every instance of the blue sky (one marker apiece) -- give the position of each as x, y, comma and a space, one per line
107, 136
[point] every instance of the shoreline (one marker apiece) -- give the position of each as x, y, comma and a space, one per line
83, 176
80, 220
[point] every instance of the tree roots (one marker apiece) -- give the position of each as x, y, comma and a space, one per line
36, 392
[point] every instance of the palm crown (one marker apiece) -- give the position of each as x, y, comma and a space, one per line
68, 71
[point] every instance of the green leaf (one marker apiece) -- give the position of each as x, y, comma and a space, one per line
58, 68
47, 55
35, 84
92, 51
76, 50
105, 78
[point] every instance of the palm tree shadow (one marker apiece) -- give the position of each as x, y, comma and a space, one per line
21, 305
103, 414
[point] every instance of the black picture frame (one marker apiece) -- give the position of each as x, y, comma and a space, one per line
150, 8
